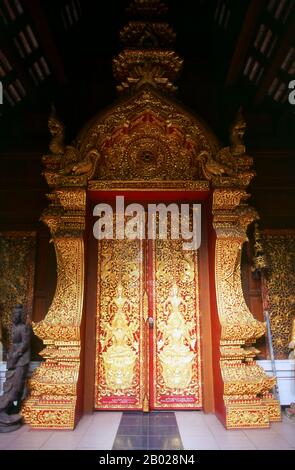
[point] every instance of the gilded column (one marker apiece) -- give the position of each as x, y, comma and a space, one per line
246, 392
54, 387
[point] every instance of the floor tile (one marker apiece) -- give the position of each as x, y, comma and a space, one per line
62, 440
199, 443
219, 430
130, 442
270, 442
162, 421
134, 420
191, 430
190, 418
195, 432
165, 443
257, 433
135, 430
163, 430
240, 442
288, 435
30, 441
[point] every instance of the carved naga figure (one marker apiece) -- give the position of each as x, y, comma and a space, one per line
237, 133
68, 155
225, 162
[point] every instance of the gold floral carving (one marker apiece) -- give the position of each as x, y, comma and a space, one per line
148, 185
50, 415
280, 281
72, 199
247, 416
273, 406
245, 379
228, 199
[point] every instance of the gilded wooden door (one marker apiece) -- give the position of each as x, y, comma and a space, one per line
148, 326
120, 352
175, 350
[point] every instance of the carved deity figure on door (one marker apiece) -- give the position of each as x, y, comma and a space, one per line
176, 356
119, 358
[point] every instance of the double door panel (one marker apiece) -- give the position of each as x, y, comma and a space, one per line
148, 353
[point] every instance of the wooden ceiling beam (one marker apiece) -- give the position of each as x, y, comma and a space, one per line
17, 64
239, 56
285, 42
47, 39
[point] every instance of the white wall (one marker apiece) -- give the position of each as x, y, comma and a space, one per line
285, 372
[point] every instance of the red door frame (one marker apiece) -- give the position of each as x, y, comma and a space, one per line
94, 197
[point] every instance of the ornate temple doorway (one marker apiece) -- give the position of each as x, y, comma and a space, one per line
148, 340
123, 330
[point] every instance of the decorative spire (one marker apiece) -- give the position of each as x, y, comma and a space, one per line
148, 57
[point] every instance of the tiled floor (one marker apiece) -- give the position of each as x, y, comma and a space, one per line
148, 431
191, 430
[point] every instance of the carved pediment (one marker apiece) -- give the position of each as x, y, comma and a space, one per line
146, 137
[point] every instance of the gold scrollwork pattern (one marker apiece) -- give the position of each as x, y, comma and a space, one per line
244, 415
53, 399
68, 296
236, 320
17, 258
244, 381
280, 251
48, 414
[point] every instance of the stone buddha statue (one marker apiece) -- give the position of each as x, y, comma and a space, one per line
120, 356
176, 356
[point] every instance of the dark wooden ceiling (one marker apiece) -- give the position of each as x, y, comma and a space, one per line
236, 53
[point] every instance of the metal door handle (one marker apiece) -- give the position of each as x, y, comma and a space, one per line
151, 322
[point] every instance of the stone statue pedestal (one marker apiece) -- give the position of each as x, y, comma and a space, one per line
10, 423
